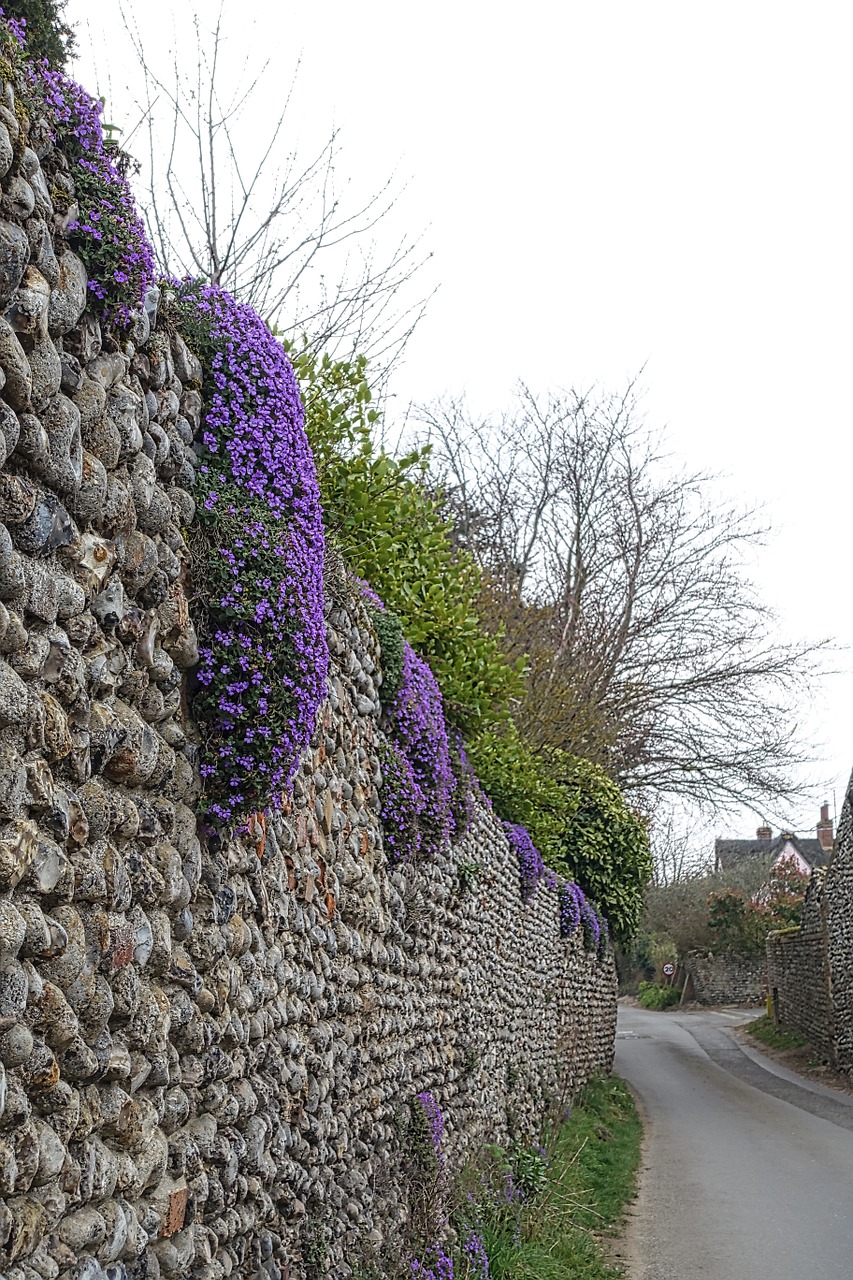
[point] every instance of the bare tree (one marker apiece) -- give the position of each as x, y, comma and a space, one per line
624, 582
230, 201
682, 845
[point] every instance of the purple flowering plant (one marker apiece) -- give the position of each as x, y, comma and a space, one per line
475, 1255
466, 786
436, 1264
402, 803
569, 899
428, 1131
418, 731
264, 658
577, 912
531, 865
591, 925
107, 232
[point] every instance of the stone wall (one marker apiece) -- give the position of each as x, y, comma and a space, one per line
798, 973
838, 912
721, 978
206, 1045
811, 969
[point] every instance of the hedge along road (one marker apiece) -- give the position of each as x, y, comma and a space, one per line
747, 1171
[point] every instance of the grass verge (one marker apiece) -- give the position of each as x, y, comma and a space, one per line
588, 1176
765, 1030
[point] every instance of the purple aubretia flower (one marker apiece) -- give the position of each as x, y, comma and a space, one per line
108, 233
569, 898
435, 1119
418, 731
531, 867
437, 1266
476, 1256
263, 675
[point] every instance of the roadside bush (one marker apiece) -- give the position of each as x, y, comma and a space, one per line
680, 911
652, 996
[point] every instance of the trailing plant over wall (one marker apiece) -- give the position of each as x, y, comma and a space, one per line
417, 806
466, 785
576, 816
402, 803
103, 226
531, 867
259, 561
577, 912
380, 513
389, 631
417, 727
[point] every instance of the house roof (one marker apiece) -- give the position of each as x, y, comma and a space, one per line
728, 853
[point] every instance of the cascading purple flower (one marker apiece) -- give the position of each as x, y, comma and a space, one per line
402, 803
569, 898
577, 912
108, 233
590, 925
365, 590
418, 729
467, 786
263, 676
531, 867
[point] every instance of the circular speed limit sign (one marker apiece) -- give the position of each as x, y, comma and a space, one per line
668, 970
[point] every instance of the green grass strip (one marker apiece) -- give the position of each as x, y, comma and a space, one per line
765, 1030
591, 1174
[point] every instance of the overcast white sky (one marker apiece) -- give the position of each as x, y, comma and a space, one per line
606, 185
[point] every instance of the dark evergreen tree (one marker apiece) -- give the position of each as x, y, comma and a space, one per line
48, 35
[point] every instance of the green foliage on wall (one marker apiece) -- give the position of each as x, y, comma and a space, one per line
577, 817
605, 844
389, 632
389, 527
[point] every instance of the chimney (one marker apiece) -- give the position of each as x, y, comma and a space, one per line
824, 829
764, 833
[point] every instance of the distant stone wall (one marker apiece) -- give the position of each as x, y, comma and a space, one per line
726, 978
798, 973
838, 894
811, 970
206, 1044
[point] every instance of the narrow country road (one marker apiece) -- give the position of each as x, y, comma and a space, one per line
747, 1170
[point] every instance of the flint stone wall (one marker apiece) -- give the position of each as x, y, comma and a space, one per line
205, 1047
798, 973
812, 970
723, 978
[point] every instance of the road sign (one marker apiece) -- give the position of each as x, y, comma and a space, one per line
668, 970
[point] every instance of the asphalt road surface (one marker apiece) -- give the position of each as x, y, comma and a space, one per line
747, 1169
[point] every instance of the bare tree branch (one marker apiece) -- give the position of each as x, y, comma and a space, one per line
263, 227
624, 584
